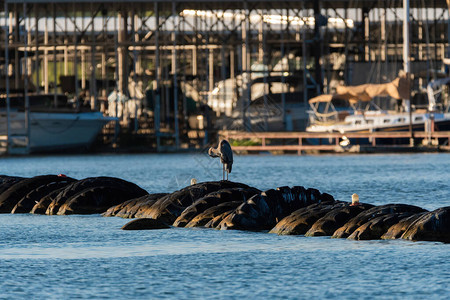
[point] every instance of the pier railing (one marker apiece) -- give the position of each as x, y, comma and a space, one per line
336, 142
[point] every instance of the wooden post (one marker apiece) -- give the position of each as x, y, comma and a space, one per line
157, 88
366, 34
66, 46
175, 78
8, 127
283, 79
383, 36
55, 76
16, 41
248, 78
75, 61
195, 49
305, 79
83, 57
66, 56
25, 82
233, 80
116, 74
407, 64
46, 56
211, 69
122, 15
92, 85
300, 145
36, 53
317, 46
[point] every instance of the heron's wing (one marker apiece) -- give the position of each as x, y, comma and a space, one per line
228, 167
227, 153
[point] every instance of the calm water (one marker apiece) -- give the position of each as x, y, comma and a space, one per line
44, 257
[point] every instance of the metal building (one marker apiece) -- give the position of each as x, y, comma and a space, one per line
172, 55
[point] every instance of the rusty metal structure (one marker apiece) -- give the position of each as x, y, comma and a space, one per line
98, 47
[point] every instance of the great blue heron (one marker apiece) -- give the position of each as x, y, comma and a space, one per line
225, 153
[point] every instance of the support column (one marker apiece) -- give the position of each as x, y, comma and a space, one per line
83, 55
223, 76
317, 46
210, 69
55, 80
7, 32
66, 57
121, 51
104, 79
75, 60
137, 63
25, 85
346, 37
366, 21
304, 53
83, 65
246, 97
385, 40
116, 73
17, 64
134, 73
266, 73
10, 40
260, 40
195, 49
29, 60
36, 40
420, 38
93, 85
175, 74
448, 31
46, 56
283, 79
66, 47
406, 63
233, 80
104, 48
157, 86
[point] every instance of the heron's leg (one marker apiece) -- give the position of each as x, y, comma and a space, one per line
223, 172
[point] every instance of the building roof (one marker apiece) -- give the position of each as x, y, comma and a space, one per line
230, 4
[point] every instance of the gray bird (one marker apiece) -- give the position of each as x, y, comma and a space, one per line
225, 153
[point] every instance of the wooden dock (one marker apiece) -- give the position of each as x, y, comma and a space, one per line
307, 142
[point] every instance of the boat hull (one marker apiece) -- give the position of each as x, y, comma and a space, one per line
53, 132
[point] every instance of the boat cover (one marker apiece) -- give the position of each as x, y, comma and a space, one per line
398, 89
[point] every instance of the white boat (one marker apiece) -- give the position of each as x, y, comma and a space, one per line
362, 115
51, 129
274, 100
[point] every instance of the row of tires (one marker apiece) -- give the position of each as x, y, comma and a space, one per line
223, 205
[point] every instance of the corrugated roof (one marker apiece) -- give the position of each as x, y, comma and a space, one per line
220, 4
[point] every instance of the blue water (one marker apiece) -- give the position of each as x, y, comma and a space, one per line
60, 257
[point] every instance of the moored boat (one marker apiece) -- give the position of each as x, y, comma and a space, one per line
362, 115
53, 125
